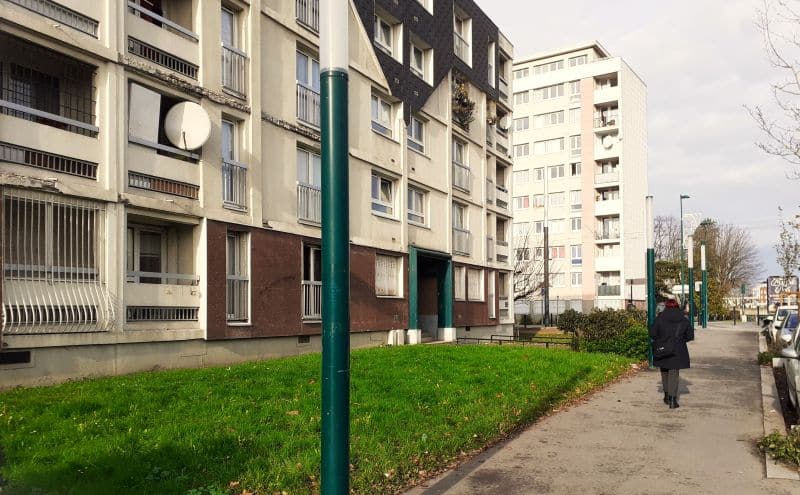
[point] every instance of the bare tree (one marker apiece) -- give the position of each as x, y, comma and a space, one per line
778, 21
731, 256
528, 267
667, 238
788, 246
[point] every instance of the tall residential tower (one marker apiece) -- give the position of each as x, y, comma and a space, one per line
580, 169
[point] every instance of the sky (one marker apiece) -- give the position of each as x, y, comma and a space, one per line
702, 61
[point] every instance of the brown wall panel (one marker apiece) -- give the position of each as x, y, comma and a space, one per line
474, 313
368, 311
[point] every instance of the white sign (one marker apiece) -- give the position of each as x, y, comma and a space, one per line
678, 289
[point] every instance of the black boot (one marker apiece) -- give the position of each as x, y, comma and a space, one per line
673, 402
666, 398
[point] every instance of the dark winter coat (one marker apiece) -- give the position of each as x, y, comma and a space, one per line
671, 323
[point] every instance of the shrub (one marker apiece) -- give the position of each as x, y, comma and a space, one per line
570, 321
782, 447
631, 342
603, 324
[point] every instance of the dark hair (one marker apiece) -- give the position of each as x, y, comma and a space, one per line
672, 303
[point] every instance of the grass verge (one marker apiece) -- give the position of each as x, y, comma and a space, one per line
255, 426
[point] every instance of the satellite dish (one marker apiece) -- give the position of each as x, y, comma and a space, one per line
504, 123
187, 125
608, 142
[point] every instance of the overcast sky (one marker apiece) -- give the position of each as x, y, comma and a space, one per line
702, 60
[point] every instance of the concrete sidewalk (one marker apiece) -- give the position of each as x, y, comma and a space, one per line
625, 440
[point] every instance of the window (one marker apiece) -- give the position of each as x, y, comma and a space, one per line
384, 35
520, 230
574, 88
538, 174
416, 206
556, 226
575, 145
416, 135
538, 200
557, 280
575, 224
428, 4
608, 167
459, 152
548, 146
575, 115
575, 254
492, 298
420, 56
147, 111
233, 59
576, 279
521, 176
521, 124
237, 280
538, 227
579, 60
548, 119
575, 199
309, 168
475, 284
521, 97
234, 173
522, 202
382, 195
522, 254
460, 216
557, 198
388, 278
538, 253
609, 195
548, 67
459, 283
520, 73
307, 76
521, 149
462, 29
556, 252
381, 116
556, 171
548, 92
312, 282
575, 169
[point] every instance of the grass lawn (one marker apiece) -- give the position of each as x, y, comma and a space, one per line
256, 426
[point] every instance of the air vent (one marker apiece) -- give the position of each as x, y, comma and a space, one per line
166, 186
161, 313
49, 161
15, 357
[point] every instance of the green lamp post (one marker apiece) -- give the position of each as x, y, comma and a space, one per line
651, 272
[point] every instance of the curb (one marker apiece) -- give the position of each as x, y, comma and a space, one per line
773, 417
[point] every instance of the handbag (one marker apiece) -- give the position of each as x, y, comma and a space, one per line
666, 348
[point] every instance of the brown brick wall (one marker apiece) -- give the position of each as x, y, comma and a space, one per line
475, 313
367, 311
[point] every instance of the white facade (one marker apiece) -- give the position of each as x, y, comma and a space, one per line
580, 168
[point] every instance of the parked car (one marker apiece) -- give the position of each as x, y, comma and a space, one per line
777, 321
788, 327
791, 364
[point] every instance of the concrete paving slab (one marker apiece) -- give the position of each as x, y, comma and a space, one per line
626, 441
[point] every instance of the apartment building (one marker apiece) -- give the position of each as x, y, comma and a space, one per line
160, 176
580, 172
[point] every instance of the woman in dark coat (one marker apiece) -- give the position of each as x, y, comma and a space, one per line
671, 331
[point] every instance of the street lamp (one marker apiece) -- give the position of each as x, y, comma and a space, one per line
683, 277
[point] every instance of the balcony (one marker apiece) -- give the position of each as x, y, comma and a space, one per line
502, 88
606, 178
234, 67
611, 235
462, 177
308, 105
234, 185
61, 14
168, 43
608, 207
606, 94
461, 49
308, 204
606, 123
462, 241
502, 142
608, 263
502, 250
501, 197
162, 297
312, 300
608, 290
307, 12
45, 87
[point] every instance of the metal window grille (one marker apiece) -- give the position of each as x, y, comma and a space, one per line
26, 156
308, 203
62, 14
312, 299
308, 13
237, 281
308, 109
53, 252
166, 186
161, 313
162, 58
234, 184
234, 63
43, 86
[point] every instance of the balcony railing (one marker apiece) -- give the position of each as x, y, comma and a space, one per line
312, 300
461, 176
461, 241
234, 63
236, 302
611, 121
461, 48
161, 21
607, 235
608, 290
502, 88
61, 14
606, 178
308, 203
501, 197
234, 184
162, 278
308, 105
308, 13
